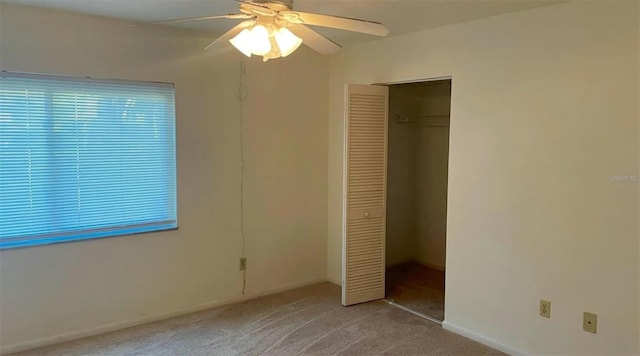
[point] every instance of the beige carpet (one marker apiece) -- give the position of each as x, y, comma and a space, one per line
418, 288
307, 321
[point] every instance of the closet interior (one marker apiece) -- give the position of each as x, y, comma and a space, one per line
416, 216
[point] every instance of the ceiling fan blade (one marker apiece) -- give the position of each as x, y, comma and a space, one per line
252, 4
232, 32
228, 16
314, 40
343, 23
255, 8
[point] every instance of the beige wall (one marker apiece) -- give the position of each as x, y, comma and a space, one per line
401, 229
433, 162
544, 111
66, 290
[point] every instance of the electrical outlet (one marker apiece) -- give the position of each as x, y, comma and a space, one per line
590, 322
545, 308
243, 263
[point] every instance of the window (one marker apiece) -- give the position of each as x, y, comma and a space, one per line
84, 158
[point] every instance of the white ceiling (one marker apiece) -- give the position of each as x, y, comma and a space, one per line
400, 16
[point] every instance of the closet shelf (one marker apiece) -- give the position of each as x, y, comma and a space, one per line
423, 120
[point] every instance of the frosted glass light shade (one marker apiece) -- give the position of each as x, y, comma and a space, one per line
267, 42
242, 42
287, 41
260, 44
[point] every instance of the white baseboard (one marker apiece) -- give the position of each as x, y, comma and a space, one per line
50, 340
397, 263
336, 282
420, 262
481, 339
430, 265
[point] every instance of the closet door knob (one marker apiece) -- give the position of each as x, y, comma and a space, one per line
366, 214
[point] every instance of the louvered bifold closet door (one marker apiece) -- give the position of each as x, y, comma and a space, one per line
363, 246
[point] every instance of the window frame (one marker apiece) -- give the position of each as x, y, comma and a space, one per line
106, 232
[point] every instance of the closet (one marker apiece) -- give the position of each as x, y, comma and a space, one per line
395, 195
416, 206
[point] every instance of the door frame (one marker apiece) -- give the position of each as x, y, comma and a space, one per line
413, 81
345, 155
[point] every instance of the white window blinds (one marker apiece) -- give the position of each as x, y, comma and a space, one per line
82, 158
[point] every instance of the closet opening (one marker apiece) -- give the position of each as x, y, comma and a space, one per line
416, 202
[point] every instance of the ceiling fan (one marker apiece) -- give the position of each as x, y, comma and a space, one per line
272, 29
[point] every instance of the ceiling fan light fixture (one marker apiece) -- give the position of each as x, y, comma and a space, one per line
265, 31
287, 41
242, 42
268, 41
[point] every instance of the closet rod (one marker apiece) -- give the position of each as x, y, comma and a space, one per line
427, 120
